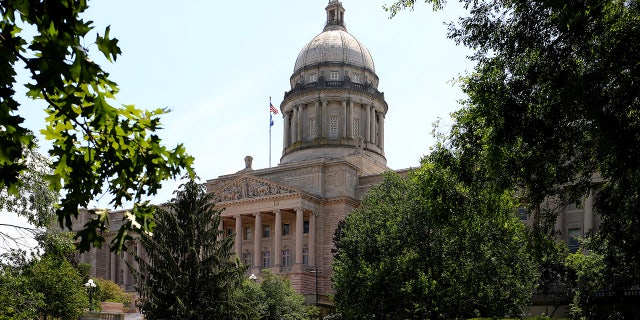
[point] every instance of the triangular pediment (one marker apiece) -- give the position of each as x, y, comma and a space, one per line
251, 187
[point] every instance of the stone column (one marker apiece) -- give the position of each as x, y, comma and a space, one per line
324, 129
277, 242
588, 213
349, 120
286, 137
344, 120
318, 119
381, 136
239, 236
300, 124
113, 274
372, 125
299, 229
294, 124
125, 270
367, 124
312, 239
256, 243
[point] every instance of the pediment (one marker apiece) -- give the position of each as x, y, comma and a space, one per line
251, 187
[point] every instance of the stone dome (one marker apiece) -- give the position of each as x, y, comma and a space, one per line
334, 45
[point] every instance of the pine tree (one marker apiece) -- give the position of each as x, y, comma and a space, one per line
190, 271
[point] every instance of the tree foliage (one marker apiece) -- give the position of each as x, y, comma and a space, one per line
107, 290
190, 271
17, 299
279, 301
45, 284
96, 147
435, 248
554, 102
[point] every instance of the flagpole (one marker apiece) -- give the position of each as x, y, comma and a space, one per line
270, 125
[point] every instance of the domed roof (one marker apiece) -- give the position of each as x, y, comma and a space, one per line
334, 45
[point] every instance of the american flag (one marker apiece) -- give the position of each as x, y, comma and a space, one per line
273, 109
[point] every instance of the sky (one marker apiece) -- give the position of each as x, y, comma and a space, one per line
216, 64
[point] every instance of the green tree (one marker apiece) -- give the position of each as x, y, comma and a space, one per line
191, 272
430, 246
554, 103
42, 284
97, 148
280, 301
17, 300
61, 286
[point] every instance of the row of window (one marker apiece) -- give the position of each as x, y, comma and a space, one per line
333, 75
285, 260
333, 127
266, 230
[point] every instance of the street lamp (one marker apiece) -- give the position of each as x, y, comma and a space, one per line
253, 277
315, 272
91, 287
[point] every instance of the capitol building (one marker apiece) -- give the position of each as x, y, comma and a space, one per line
284, 217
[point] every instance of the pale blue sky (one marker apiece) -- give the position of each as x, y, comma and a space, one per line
215, 64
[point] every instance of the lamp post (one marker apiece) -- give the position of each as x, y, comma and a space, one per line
315, 272
91, 287
253, 277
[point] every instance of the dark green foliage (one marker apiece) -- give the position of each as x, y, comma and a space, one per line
554, 106
191, 272
46, 285
429, 246
17, 299
96, 148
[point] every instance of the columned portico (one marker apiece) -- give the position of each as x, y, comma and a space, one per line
294, 229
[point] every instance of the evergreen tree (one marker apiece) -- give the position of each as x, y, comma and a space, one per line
191, 272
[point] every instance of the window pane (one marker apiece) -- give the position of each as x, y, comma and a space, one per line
305, 227
266, 259
266, 231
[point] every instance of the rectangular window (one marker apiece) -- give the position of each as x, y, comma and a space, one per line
286, 258
247, 233
266, 231
229, 232
266, 259
246, 258
356, 128
305, 256
313, 77
333, 126
334, 75
356, 78
305, 227
313, 131
285, 229
574, 235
